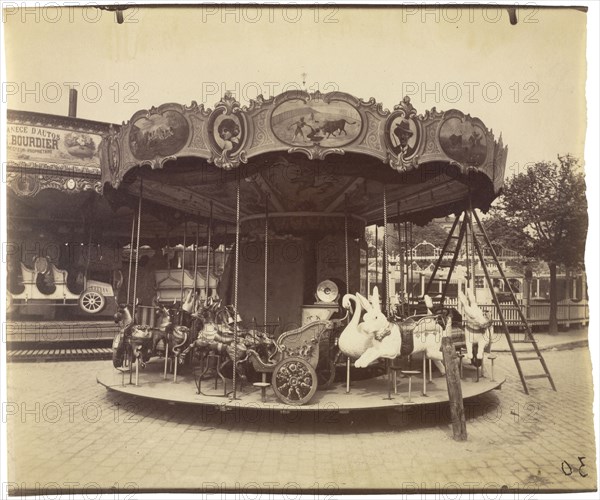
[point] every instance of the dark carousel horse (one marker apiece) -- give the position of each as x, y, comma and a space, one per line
144, 341
216, 336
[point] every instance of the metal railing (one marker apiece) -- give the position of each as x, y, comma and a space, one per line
537, 314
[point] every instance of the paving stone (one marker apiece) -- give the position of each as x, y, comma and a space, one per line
514, 439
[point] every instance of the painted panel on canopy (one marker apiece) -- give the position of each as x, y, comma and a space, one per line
464, 141
303, 185
160, 134
330, 124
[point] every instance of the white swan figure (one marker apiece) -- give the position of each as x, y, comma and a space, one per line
353, 342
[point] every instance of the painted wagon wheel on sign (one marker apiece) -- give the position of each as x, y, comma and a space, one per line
294, 381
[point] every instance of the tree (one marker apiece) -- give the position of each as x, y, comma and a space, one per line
544, 213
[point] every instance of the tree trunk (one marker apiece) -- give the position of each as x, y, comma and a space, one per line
553, 322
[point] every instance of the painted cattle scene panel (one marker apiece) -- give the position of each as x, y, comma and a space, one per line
463, 141
300, 123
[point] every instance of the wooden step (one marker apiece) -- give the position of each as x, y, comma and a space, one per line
543, 375
530, 358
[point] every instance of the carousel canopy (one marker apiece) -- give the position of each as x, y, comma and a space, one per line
300, 154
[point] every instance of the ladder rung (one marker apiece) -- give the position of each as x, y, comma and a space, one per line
530, 358
544, 375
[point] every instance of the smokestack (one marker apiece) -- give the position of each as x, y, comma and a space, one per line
73, 103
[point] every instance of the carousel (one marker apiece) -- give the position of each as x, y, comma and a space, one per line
287, 186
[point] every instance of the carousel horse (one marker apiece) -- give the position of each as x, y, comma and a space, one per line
146, 341
479, 328
204, 326
174, 336
216, 335
139, 337
376, 337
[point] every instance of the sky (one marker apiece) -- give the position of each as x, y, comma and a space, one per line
525, 81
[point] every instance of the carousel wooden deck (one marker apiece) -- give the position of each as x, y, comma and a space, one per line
364, 394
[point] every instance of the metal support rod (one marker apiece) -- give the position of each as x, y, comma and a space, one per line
348, 375
88, 257
386, 298
266, 283
131, 255
166, 359
137, 249
401, 256
347, 259
196, 265
376, 255
183, 268
389, 379
208, 250
424, 375
472, 261
235, 287
467, 256
411, 268
175, 364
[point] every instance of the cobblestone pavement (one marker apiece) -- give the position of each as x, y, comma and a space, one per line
67, 432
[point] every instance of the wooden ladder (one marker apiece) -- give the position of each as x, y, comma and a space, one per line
469, 217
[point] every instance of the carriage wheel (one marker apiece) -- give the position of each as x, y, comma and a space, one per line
91, 302
326, 373
294, 381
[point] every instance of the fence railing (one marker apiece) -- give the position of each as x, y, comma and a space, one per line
537, 314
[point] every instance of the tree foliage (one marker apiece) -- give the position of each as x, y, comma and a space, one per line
543, 212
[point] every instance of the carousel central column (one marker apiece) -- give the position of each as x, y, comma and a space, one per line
304, 249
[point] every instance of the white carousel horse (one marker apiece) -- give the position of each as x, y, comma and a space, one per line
479, 328
377, 337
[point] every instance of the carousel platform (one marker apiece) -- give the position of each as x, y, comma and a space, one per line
364, 394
